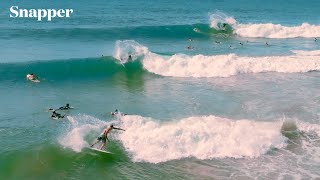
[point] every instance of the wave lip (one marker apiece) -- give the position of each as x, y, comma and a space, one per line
203, 137
279, 31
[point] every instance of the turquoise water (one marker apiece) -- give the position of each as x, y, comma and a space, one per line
219, 111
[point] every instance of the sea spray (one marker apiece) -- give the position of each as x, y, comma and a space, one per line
127, 50
218, 18
81, 127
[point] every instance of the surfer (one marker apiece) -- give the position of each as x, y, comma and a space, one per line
104, 136
241, 43
66, 107
315, 39
31, 77
129, 57
189, 47
56, 115
267, 44
116, 112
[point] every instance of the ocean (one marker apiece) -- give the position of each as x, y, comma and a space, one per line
242, 102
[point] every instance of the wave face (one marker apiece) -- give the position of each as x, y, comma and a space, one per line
203, 137
68, 69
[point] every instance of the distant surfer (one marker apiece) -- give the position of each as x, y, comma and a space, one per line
241, 43
116, 112
56, 115
104, 136
267, 44
66, 107
32, 77
196, 30
315, 39
130, 58
190, 47
190, 39
217, 42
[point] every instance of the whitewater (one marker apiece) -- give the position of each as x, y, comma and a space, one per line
211, 90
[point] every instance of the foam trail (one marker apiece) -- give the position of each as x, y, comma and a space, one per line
125, 48
180, 65
203, 137
270, 30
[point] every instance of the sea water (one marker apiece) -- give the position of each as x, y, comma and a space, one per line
221, 110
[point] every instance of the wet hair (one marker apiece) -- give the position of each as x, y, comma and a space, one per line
67, 104
111, 125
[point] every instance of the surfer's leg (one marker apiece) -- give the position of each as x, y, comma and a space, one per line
102, 145
95, 142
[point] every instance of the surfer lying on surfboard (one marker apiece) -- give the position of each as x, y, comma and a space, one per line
104, 136
32, 77
66, 107
56, 115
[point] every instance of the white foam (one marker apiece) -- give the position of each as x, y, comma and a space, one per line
180, 65
219, 17
75, 137
125, 48
308, 127
306, 53
204, 137
270, 30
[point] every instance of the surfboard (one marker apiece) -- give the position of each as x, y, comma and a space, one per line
102, 151
34, 80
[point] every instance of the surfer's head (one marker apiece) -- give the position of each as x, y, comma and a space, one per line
111, 125
67, 104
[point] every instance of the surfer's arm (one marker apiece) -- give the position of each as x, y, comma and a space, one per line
119, 129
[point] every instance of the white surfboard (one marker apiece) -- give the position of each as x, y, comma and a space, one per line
102, 151
34, 80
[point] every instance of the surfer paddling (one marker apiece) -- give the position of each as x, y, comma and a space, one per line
56, 115
104, 136
32, 77
66, 107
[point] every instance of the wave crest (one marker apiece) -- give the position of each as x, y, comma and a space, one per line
203, 137
180, 65
270, 30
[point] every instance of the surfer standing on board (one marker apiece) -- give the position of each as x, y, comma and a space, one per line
104, 136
